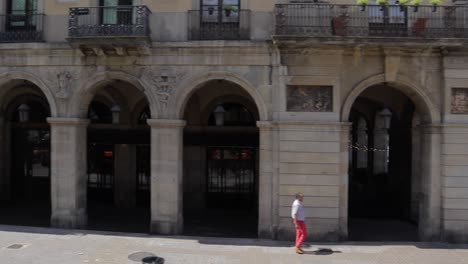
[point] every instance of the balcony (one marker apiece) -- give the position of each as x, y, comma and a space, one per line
332, 23
110, 30
214, 25
21, 27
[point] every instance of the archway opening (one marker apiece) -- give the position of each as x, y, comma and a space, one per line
220, 179
24, 155
384, 160
118, 159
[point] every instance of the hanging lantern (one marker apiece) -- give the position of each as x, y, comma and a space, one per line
23, 111
219, 115
386, 117
115, 114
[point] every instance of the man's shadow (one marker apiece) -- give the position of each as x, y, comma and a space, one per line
322, 252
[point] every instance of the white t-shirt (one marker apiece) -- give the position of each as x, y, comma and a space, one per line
298, 210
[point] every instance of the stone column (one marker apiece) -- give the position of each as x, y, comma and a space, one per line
345, 140
268, 183
125, 175
166, 176
363, 141
430, 202
68, 172
4, 175
380, 157
415, 169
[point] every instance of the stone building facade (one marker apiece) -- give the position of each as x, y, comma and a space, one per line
305, 77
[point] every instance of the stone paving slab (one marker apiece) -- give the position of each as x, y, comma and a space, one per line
29, 245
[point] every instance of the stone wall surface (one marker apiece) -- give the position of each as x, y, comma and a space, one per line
455, 182
304, 150
309, 162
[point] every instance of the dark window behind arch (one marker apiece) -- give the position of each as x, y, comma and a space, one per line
99, 113
144, 115
235, 115
37, 113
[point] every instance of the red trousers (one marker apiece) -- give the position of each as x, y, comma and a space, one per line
301, 233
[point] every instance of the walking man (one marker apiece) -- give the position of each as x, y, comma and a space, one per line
298, 216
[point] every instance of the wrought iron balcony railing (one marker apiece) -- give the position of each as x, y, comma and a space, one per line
109, 21
214, 25
26, 27
356, 21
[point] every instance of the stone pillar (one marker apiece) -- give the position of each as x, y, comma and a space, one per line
125, 175
166, 176
415, 170
363, 141
345, 140
430, 202
268, 183
4, 175
68, 172
380, 157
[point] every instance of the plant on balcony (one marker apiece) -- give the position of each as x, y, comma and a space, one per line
339, 25
210, 10
383, 4
363, 4
228, 9
434, 4
416, 4
403, 5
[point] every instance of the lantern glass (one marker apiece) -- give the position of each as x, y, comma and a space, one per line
387, 118
219, 115
115, 114
23, 111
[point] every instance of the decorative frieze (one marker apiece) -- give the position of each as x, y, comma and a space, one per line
459, 101
164, 82
302, 98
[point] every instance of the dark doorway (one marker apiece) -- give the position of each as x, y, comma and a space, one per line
28, 202
231, 177
380, 171
220, 166
118, 163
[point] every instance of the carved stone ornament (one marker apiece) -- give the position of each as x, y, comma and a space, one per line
301, 98
459, 101
61, 83
164, 82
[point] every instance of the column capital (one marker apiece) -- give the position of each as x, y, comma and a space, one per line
166, 123
265, 124
67, 121
431, 128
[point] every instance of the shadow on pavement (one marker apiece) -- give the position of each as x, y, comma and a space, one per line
322, 252
65, 232
145, 258
335, 247
243, 242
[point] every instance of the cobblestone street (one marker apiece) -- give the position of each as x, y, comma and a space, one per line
21, 245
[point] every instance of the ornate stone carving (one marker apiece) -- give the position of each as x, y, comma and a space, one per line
64, 82
309, 98
459, 101
164, 82
60, 83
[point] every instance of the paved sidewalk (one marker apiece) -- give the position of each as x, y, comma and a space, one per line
29, 245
